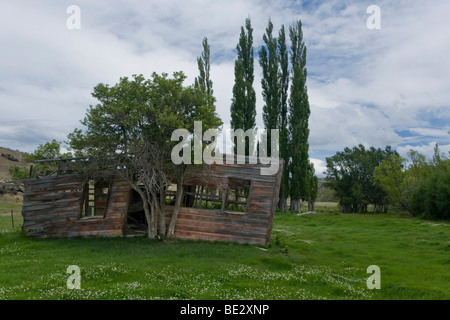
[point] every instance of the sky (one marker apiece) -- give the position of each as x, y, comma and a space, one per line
372, 86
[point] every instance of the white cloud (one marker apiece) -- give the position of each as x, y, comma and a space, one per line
364, 85
319, 166
430, 132
426, 149
348, 126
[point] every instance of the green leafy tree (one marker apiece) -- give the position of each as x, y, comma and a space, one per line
128, 133
299, 119
243, 102
392, 177
350, 174
47, 151
41, 161
431, 197
18, 173
415, 184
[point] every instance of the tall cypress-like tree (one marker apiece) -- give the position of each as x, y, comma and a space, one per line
243, 106
284, 132
270, 83
203, 81
298, 119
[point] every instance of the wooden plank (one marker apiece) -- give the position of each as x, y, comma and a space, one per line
32, 212
260, 215
258, 223
51, 196
228, 223
49, 205
193, 235
221, 228
54, 185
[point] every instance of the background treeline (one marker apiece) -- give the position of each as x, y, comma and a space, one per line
382, 178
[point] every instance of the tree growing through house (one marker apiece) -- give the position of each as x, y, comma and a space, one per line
128, 134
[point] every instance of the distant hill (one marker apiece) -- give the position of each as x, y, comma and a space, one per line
8, 158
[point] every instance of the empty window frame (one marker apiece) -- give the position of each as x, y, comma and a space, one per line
237, 194
204, 197
233, 197
95, 199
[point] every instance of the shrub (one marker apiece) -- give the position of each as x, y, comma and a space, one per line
431, 199
18, 173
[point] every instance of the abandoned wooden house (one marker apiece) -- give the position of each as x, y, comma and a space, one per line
235, 203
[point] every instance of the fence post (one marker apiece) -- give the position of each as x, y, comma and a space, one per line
12, 218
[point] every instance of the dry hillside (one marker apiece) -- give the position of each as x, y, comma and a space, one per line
7, 161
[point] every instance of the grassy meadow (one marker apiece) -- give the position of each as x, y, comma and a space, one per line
321, 256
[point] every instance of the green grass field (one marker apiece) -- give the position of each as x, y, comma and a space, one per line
326, 257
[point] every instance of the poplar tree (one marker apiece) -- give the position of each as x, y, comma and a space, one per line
284, 133
270, 83
243, 105
203, 81
298, 119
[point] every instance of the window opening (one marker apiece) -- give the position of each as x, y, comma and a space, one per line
233, 197
238, 193
95, 199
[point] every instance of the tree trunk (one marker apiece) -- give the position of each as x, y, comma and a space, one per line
311, 206
152, 228
162, 222
159, 212
149, 214
282, 202
296, 205
176, 209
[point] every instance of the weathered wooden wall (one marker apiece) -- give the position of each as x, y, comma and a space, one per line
253, 226
52, 208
